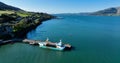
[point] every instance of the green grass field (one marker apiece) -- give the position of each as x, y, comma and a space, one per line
23, 14
20, 13
7, 12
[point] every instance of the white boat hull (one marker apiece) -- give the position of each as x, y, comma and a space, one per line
42, 45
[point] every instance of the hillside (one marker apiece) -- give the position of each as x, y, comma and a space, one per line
109, 11
8, 7
16, 23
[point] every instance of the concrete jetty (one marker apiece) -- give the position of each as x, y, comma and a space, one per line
32, 42
3, 42
28, 41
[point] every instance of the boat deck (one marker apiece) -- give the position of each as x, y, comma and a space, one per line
35, 42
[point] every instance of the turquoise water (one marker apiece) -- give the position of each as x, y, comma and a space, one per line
96, 40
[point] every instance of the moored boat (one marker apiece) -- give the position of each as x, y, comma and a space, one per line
55, 46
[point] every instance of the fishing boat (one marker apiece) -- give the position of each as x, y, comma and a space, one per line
55, 46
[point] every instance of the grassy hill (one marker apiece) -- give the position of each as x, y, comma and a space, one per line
15, 23
8, 12
8, 7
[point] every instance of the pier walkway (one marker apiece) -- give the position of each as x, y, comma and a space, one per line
31, 42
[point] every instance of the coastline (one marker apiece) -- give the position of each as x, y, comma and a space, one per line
26, 30
21, 35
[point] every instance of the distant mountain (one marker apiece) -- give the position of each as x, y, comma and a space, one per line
4, 6
108, 11
113, 11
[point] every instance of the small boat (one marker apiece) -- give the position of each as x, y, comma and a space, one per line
55, 46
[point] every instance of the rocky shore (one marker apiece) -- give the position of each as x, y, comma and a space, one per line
15, 23
15, 26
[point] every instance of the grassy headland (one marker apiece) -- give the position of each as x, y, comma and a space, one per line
15, 24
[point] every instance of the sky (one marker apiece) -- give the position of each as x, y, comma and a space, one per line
62, 6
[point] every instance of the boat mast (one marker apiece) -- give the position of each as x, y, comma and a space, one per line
60, 43
47, 39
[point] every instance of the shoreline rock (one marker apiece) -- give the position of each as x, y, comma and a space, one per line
20, 35
15, 23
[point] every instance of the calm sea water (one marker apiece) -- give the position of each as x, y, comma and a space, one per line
96, 40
